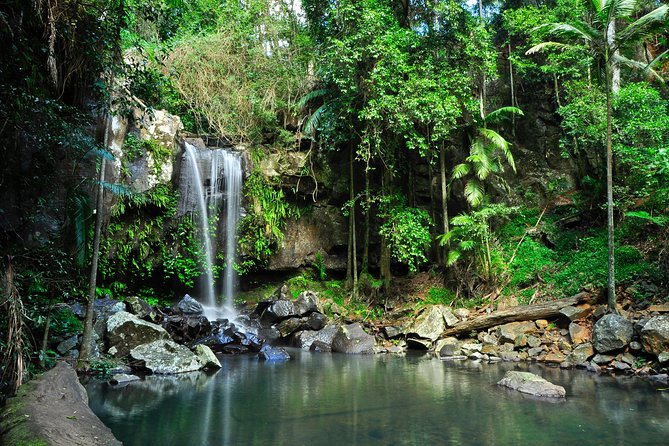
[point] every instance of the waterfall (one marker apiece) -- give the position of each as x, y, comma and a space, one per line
211, 181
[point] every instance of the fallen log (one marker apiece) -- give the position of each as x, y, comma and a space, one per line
543, 310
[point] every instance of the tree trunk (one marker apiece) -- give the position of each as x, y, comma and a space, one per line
612, 61
609, 192
368, 211
513, 94
83, 362
352, 239
444, 199
386, 275
542, 310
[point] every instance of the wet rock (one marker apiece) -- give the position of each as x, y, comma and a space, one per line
602, 359
520, 341
187, 328
627, 358
106, 307
531, 384
316, 321
68, 344
660, 378
303, 339
393, 332
269, 333
126, 331
122, 378
352, 339
593, 367
288, 326
611, 332
581, 354
636, 346
273, 354
319, 346
188, 305
138, 307
663, 357
509, 332
655, 335
306, 303
207, 357
278, 311
469, 348
165, 357
578, 334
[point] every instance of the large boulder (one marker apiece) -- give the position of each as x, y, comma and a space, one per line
207, 357
531, 384
126, 331
273, 354
278, 311
166, 357
352, 339
138, 307
611, 332
655, 335
306, 303
53, 410
429, 325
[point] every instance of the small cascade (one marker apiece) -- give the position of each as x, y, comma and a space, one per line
211, 181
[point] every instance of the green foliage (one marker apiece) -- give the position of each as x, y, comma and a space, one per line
319, 267
407, 230
261, 230
438, 296
65, 322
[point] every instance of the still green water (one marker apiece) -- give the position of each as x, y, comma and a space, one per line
333, 399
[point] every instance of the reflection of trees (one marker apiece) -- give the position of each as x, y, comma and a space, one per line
339, 399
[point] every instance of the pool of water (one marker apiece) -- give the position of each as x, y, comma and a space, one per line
334, 399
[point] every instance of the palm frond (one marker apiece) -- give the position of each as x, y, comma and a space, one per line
547, 45
643, 26
313, 94
574, 30
461, 170
614, 9
309, 127
101, 153
494, 138
78, 225
502, 113
453, 256
474, 192
644, 67
118, 189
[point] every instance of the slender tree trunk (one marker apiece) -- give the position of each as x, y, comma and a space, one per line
482, 92
386, 275
353, 247
513, 94
612, 58
609, 191
557, 90
444, 198
368, 210
83, 362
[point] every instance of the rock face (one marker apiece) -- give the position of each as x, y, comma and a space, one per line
531, 384
319, 231
655, 335
53, 409
509, 332
611, 332
304, 339
352, 339
166, 357
126, 331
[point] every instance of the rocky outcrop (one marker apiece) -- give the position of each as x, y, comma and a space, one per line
611, 332
320, 231
126, 331
429, 325
53, 410
655, 335
165, 357
352, 339
531, 384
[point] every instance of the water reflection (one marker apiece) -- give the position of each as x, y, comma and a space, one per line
320, 399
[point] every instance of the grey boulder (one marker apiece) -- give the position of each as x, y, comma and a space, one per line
126, 331
166, 357
352, 339
531, 384
611, 332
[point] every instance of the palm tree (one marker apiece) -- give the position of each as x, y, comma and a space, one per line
487, 152
606, 43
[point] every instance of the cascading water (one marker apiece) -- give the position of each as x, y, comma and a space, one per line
208, 196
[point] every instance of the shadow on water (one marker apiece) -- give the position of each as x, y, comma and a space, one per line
323, 399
